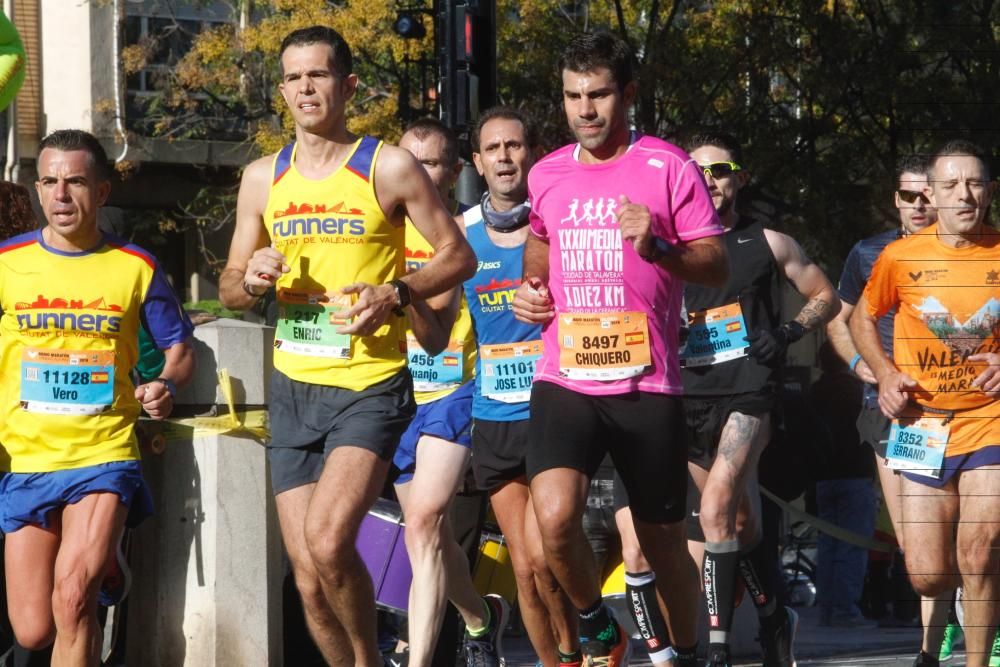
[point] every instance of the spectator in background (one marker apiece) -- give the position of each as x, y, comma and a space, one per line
845, 493
16, 216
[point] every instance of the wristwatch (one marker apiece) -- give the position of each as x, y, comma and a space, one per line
169, 384
402, 296
661, 248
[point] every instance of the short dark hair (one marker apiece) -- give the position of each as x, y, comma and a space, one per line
588, 51
78, 140
914, 163
342, 63
959, 147
421, 128
723, 140
16, 216
507, 113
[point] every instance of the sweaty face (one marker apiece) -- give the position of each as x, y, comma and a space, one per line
315, 94
70, 190
918, 214
504, 158
960, 192
725, 188
595, 107
431, 152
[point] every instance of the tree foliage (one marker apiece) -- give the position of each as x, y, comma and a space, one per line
825, 94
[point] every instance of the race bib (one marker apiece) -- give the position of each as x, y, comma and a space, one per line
64, 382
308, 322
509, 370
434, 373
917, 445
603, 346
715, 335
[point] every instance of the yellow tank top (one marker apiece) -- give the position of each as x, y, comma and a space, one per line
332, 232
436, 377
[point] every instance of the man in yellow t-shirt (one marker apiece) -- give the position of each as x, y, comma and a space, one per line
73, 300
941, 387
322, 222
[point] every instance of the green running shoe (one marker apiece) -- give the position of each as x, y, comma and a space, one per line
995, 653
952, 635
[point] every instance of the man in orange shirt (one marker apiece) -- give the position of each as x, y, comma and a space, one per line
942, 386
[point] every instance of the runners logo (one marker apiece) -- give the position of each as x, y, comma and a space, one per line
417, 258
318, 220
57, 314
497, 295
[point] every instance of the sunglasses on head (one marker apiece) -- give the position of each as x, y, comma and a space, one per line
720, 169
910, 196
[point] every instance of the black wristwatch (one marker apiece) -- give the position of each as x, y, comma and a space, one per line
661, 248
169, 384
402, 295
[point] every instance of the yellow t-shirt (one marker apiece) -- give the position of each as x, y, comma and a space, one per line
436, 377
949, 309
68, 339
332, 232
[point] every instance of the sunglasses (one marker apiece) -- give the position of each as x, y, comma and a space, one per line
719, 170
910, 196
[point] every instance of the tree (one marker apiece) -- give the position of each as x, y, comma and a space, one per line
825, 94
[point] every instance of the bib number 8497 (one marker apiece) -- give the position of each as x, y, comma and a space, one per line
600, 342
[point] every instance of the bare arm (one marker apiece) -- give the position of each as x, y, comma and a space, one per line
249, 257
532, 302
839, 331
178, 368
402, 185
822, 302
893, 386
704, 261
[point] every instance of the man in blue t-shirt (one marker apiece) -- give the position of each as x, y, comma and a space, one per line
503, 151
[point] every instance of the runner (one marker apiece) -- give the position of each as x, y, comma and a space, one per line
322, 220
72, 299
940, 388
618, 221
433, 453
504, 144
735, 348
915, 213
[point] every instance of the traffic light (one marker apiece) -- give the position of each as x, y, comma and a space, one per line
467, 53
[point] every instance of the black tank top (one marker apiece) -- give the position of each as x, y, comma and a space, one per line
755, 284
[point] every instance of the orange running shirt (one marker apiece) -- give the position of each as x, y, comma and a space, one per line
949, 309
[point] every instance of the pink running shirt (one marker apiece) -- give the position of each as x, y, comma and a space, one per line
591, 271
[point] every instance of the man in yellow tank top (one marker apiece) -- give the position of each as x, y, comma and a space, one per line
322, 222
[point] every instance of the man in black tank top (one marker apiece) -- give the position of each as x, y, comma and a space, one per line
735, 347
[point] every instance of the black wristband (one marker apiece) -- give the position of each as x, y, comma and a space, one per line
793, 331
661, 248
246, 288
403, 294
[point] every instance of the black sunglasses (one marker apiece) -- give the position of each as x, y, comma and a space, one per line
910, 196
719, 170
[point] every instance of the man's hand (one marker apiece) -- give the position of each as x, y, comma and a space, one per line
864, 371
264, 268
371, 310
767, 346
989, 380
155, 398
894, 390
532, 302
635, 222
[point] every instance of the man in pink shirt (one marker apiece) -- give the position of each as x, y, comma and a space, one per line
619, 221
